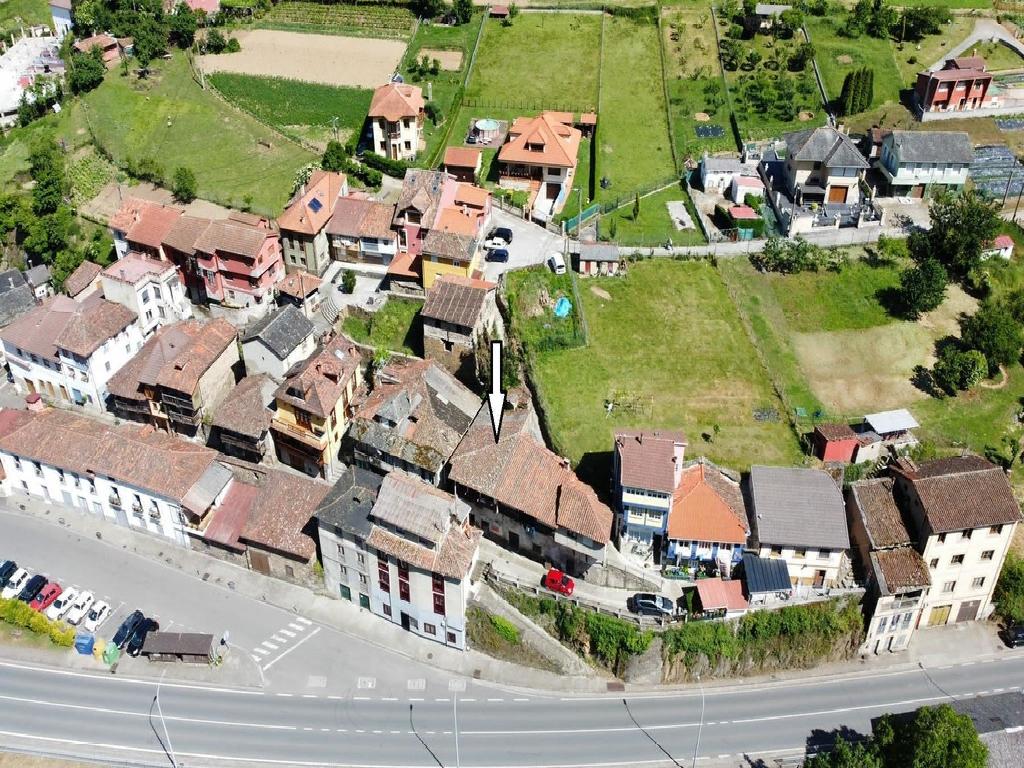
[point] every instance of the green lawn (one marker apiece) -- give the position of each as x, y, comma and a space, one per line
542, 61
170, 119
836, 301
302, 110
998, 56
634, 146
654, 226
395, 327
670, 336
69, 126
837, 56
18, 13
912, 58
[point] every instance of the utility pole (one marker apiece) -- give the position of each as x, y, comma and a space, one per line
163, 722
334, 124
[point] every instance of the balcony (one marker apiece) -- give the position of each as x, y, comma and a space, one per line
115, 501
304, 436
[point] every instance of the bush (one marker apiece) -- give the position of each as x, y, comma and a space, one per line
233, 46
348, 281
215, 42
184, 187
1009, 592
395, 168
18, 614
508, 631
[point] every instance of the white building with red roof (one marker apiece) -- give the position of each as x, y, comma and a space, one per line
396, 119
150, 288
540, 156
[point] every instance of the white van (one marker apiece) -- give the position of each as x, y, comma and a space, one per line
556, 263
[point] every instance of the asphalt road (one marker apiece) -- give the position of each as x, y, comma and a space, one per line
93, 715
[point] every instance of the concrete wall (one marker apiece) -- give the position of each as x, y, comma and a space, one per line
259, 358
219, 378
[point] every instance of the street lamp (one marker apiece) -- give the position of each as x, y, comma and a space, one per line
163, 722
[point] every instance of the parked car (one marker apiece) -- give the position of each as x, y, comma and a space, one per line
559, 582
79, 608
99, 613
1015, 635
138, 637
556, 263
7, 569
493, 243
46, 596
15, 584
62, 604
127, 628
497, 254
504, 234
32, 588
647, 604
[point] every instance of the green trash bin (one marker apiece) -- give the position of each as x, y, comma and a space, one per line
111, 654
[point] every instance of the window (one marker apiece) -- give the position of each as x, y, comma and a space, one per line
452, 637
824, 554
106, 365
934, 563
387, 610
289, 572
413, 623
362, 579
966, 535
344, 570
988, 554
430, 629
881, 624
383, 576
439, 605
978, 583
361, 558
957, 560
341, 552
800, 553
949, 586
346, 593
996, 529
776, 551
302, 419
942, 538
906, 619
403, 589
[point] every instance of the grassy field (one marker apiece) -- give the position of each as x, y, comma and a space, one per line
302, 110
837, 56
998, 56
69, 126
447, 83
670, 337
18, 13
170, 119
654, 226
914, 57
634, 147
395, 327
341, 18
543, 61
694, 82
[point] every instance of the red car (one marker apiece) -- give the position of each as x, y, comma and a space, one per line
557, 581
46, 596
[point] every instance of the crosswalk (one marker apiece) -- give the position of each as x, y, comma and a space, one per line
293, 632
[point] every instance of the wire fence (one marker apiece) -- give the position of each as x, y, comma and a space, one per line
526, 105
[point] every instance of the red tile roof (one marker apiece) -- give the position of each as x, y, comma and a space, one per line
61, 322
902, 568
553, 143
395, 101
646, 458
457, 300
707, 506
83, 276
880, 513
309, 211
357, 217
322, 381
280, 517
229, 518
462, 157
152, 224
836, 432
299, 284
223, 236
719, 593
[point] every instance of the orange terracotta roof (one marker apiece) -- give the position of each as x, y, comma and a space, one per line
718, 593
454, 220
588, 118
83, 276
152, 225
300, 284
470, 194
462, 157
309, 211
707, 506
404, 265
395, 101
553, 143
323, 378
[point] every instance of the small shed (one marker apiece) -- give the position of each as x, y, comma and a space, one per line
1002, 247
721, 596
463, 163
834, 442
498, 12
893, 426
587, 124
191, 647
597, 259
746, 185
764, 579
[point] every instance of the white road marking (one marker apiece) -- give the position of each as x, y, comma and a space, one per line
491, 699
130, 680
284, 694
415, 699
303, 620
309, 696
297, 627
520, 699
286, 633
268, 645
389, 698
416, 684
365, 683
285, 652
361, 698
442, 699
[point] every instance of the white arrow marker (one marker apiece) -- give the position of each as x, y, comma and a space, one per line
496, 397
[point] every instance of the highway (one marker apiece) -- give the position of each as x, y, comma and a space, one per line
98, 715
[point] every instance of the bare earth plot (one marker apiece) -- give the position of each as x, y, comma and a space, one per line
449, 60
870, 369
329, 59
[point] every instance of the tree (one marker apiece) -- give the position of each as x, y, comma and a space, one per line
50, 234
184, 186
801, 55
923, 287
463, 11
150, 39
335, 157
937, 737
428, 9
994, 332
348, 281
753, 58
87, 70
846, 755
961, 226
182, 26
46, 164
956, 370
1009, 594
636, 207
215, 42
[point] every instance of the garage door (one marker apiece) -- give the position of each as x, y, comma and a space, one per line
259, 562
939, 615
837, 194
968, 611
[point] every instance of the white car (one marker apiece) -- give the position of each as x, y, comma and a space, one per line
495, 242
79, 608
556, 263
15, 585
99, 613
62, 604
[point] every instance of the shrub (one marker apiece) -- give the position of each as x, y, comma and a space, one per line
215, 42
1009, 592
348, 281
508, 631
18, 614
232, 46
395, 168
184, 187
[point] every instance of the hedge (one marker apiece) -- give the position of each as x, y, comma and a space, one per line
395, 168
18, 614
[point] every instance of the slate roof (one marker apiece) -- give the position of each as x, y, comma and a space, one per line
347, 505
599, 252
520, 472
963, 492
724, 165
798, 507
16, 297
61, 322
824, 145
394, 101
37, 275
139, 455
645, 458
319, 382
357, 217
176, 357
430, 411
707, 506
281, 331
932, 146
457, 300
761, 574
247, 408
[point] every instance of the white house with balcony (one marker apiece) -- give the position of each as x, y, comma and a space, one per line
648, 465
824, 166
396, 120
67, 351
922, 163
135, 476
150, 288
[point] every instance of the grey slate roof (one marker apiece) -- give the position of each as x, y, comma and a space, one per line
798, 507
932, 146
349, 502
37, 275
825, 145
769, 9
599, 252
281, 331
413, 506
16, 296
723, 165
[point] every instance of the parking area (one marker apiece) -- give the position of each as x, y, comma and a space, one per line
531, 244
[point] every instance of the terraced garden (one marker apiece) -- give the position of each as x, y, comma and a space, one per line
342, 19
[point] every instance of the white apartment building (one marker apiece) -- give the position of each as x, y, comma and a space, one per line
396, 117
67, 350
148, 287
135, 476
400, 548
914, 163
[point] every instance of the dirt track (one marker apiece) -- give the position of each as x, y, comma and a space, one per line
354, 61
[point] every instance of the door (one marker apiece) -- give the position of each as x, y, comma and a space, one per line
513, 540
819, 579
837, 194
259, 562
405, 621
917, 191
657, 542
67, 499
939, 615
968, 611
64, 393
